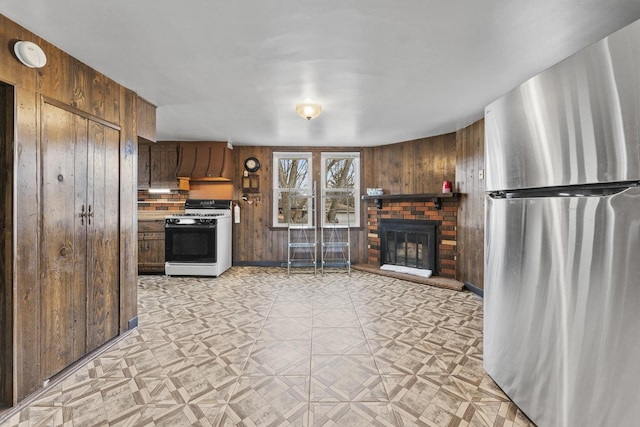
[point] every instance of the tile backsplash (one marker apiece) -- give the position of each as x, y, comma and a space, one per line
173, 201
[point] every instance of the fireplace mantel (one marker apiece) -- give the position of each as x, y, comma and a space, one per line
436, 198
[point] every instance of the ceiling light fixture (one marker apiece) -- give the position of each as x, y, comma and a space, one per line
30, 54
309, 110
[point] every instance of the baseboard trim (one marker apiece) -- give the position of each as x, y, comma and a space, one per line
474, 289
133, 323
257, 264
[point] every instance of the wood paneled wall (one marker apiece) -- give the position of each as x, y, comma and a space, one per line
411, 167
469, 163
255, 241
128, 211
72, 83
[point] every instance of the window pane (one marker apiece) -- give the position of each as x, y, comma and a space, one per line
339, 209
292, 178
292, 207
340, 173
341, 188
293, 173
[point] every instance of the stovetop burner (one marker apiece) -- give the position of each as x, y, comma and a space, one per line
205, 204
203, 208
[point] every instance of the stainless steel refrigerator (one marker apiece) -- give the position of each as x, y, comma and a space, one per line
562, 255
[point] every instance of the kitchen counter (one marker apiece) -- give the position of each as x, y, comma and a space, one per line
155, 215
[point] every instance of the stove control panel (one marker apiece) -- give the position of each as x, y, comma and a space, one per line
189, 221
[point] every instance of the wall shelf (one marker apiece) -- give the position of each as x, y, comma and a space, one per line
251, 183
436, 198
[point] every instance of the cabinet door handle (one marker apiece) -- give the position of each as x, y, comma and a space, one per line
82, 214
89, 214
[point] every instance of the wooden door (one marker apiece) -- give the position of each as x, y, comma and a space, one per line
79, 291
6, 245
63, 238
103, 293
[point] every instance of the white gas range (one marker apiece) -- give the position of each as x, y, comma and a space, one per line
198, 242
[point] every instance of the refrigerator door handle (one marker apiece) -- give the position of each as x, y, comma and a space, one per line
595, 190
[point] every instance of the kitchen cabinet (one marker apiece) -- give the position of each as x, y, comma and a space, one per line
157, 162
151, 246
80, 239
144, 164
146, 120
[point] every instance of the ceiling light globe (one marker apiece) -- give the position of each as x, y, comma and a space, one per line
309, 110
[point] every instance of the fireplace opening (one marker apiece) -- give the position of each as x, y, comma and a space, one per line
409, 243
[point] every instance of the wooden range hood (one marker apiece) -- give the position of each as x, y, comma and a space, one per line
204, 161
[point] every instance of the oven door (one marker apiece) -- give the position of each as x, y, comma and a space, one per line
194, 243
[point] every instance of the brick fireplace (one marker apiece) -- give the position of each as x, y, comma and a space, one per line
444, 218
409, 243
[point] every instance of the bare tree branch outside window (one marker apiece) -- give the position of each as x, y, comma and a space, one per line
340, 180
340, 177
293, 176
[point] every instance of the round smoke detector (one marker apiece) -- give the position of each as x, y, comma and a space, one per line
30, 54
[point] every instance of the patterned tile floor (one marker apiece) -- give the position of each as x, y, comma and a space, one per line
257, 348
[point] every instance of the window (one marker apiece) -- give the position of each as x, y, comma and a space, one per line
292, 178
340, 189
293, 182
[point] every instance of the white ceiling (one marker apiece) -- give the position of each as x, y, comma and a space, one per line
384, 70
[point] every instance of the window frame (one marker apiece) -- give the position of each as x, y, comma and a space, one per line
277, 190
324, 157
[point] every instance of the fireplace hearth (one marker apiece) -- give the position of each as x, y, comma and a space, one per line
409, 243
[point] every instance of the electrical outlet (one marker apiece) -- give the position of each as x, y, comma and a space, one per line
481, 174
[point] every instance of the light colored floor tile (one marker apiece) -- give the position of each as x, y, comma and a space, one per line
351, 414
402, 358
324, 300
339, 341
290, 357
255, 347
269, 400
334, 317
385, 328
299, 294
345, 378
291, 309
282, 329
